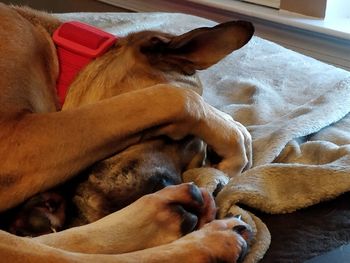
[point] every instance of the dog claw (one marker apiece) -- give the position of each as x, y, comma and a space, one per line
196, 194
243, 253
240, 229
239, 217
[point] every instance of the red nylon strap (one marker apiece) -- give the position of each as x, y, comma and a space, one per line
77, 44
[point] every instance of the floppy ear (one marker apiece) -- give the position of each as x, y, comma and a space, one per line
199, 48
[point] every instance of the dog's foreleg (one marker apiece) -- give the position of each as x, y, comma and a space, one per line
154, 226
16, 249
218, 241
152, 220
39, 151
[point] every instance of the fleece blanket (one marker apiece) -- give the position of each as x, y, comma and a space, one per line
295, 107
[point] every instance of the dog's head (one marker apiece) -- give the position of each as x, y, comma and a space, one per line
138, 61
147, 58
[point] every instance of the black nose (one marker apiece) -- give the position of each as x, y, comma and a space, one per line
161, 179
160, 183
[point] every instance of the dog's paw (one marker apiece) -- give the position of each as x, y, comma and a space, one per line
229, 139
233, 143
195, 200
154, 219
218, 241
177, 210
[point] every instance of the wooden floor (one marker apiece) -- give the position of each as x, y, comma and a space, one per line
64, 6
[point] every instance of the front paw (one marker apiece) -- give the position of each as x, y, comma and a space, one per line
154, 219
229, 139
209, 178
184, 206
224, 240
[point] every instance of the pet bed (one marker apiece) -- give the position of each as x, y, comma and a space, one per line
296, 109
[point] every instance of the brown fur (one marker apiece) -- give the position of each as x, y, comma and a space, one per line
38, 153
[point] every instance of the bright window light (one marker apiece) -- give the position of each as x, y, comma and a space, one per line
338, 9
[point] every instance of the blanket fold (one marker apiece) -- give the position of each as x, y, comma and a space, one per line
304, 120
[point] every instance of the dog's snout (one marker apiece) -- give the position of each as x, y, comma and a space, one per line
161, 179
160, 183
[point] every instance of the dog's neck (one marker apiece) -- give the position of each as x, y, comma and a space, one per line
77, 45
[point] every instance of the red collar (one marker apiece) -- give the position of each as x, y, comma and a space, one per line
77, 44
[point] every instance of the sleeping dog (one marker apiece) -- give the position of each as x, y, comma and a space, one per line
122, 103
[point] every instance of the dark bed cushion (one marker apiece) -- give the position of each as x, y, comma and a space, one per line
307, 233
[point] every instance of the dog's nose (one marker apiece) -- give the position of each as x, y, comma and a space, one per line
161, 179
160, 183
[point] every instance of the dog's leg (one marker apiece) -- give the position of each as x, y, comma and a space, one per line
218, 241
63, 143
221, 241
152, 220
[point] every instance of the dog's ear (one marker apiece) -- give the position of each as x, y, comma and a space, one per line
199, 48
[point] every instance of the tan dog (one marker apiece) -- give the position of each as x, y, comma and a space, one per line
32, 136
